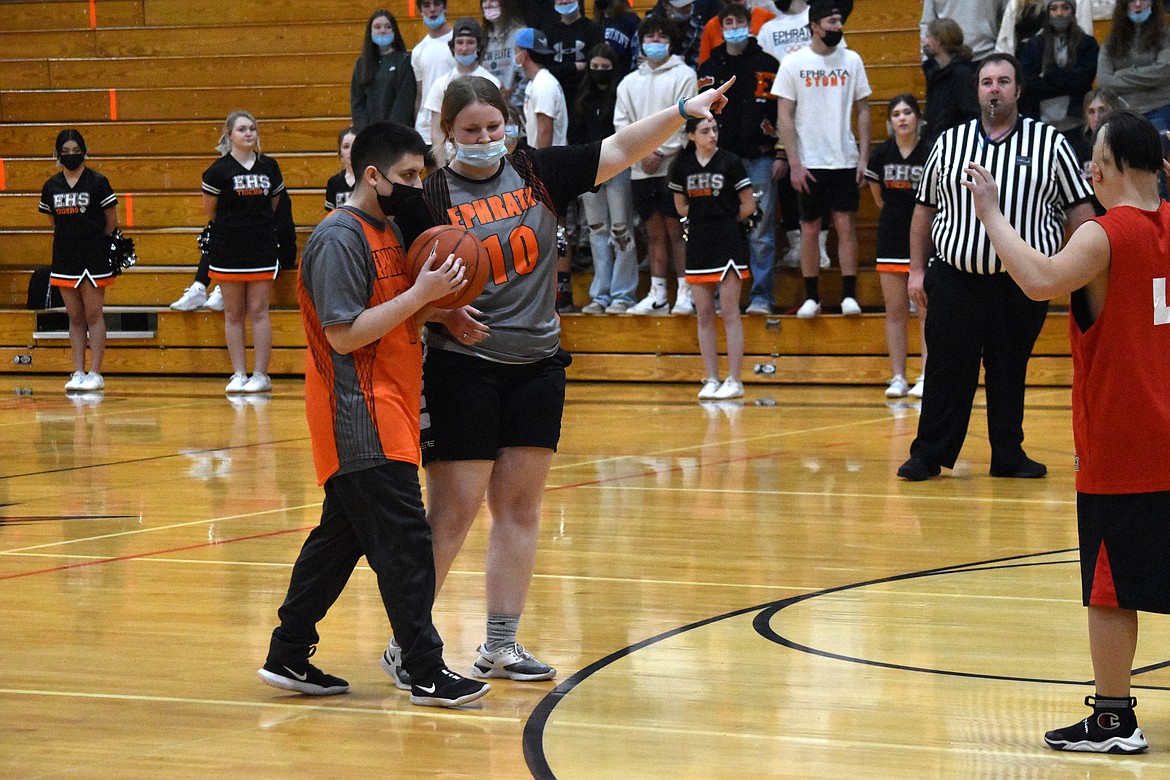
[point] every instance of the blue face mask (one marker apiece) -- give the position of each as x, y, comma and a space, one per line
481, 155
466, 59
738, 35
567, 10
436, 23
655, 52
383, 40
1141, 17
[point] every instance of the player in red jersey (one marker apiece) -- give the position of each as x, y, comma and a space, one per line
1115, 267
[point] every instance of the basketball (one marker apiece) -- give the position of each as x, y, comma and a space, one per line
451, 240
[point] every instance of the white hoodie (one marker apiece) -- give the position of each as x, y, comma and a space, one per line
647, 91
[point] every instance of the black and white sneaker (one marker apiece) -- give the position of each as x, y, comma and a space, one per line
1112, 730
511, 662
446, 689
302, 677
392, 665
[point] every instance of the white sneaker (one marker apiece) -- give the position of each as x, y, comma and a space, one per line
850, 307
898, 387
392, 665
75, 380
236, 384
916, 391
731, 388
617, 307
809, 309
825, 261
758, 307
215, 300
710, 387
511, 662
650, 305
593, 307
259, 383
684, 304
791, 257
193, 298
92, 381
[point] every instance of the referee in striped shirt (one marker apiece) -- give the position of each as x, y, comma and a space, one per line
977, 314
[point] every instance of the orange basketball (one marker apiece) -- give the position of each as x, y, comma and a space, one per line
451, 240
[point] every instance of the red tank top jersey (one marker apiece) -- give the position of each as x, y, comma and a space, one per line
362, 408
1121, 364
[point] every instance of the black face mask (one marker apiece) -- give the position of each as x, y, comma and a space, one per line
602, 78
71, 162
832, 38
402, 200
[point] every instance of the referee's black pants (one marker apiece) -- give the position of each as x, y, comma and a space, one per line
974, 318
376, 512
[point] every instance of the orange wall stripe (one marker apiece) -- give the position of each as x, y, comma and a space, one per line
129, 210
3, 183
93, 14
113, 104
412, 8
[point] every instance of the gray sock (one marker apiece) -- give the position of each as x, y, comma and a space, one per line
501, 630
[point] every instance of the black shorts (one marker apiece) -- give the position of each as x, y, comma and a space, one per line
833, 190
472, 408
653, 196
1125, 550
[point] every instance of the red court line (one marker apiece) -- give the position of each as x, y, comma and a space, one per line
119, 558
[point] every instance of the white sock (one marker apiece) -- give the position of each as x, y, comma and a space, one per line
658, 288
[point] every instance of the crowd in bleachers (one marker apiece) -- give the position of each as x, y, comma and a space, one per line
804, 140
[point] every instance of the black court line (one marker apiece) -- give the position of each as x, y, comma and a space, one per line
534, 727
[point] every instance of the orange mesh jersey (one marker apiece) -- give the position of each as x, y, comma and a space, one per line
363, 408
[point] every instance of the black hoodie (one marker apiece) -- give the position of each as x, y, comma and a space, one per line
747, 126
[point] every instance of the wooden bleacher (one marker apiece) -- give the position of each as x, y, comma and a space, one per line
148, 82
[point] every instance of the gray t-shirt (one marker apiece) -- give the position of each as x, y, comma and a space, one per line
514, 215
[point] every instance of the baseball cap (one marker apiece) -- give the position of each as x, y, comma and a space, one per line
819, 9
467, 27
681, 3
533, 40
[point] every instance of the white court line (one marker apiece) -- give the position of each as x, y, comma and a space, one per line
822, 493
152, 529
414, 712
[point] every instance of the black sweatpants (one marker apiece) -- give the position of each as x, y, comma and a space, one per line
376, 512
974, 318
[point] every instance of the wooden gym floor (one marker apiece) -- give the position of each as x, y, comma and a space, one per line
733, 590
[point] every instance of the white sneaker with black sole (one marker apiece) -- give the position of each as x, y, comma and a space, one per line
511, 662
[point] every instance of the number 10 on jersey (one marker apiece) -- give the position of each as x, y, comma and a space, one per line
523, 247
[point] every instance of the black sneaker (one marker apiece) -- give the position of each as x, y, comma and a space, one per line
302, 677
446, 689
1105, 731
917, 470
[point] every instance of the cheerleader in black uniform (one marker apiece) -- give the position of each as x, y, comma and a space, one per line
894, 170
340, 185
712, 190
240, 193
83, 210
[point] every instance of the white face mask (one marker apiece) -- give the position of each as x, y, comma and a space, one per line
481, 155
492, 14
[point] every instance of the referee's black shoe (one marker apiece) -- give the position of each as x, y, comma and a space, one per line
1025, 468
917, 470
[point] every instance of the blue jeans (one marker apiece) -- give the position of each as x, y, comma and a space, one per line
763, 238
609, 213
